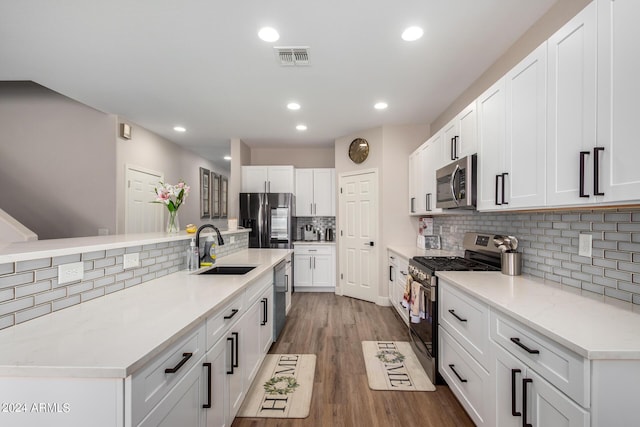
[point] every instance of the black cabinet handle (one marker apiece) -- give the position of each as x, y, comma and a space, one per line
235, 353
455, 148
391, 273
582, 159
286, 282
596, 171
497, 190
453, 313
504, 179
513, 392
462, 380
517, 342
185, 357
525, 381
413, 209
208, 404
233, 313
232, 355
265, 314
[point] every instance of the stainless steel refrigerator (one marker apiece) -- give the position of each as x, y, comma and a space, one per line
269, 216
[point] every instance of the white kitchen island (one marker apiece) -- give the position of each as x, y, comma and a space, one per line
78, 366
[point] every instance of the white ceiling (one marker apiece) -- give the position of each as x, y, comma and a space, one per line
200, 64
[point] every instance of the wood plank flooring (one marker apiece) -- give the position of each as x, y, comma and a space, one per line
332, 327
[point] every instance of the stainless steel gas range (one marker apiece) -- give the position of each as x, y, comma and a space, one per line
480, 254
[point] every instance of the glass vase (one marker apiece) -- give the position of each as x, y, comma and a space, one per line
173, 223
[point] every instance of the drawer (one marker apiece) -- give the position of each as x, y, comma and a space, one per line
560, 366
151, 384
313, 250
255, 289
467, 320
467, 379
219, 322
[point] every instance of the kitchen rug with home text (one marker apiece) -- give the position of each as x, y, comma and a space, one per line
392, 365
282, 388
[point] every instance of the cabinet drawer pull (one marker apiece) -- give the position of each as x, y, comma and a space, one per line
517, 342
286, 283
230, 372
596, 171
391, 279
525, 381
453, 313
504, 179
185, 357
208, 404
513, 392
265, 313
582, 155
236, 364
233, 313
497, 203
462, 380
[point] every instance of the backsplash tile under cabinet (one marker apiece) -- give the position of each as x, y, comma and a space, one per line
549, 242
30, 289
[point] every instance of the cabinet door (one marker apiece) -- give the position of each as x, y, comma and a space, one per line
492, 140
431, 161
217, 415
323, 270
467, 142
235, 372
526, 131
254, 179
304, 192
324, 192
508, 373
288, 280
449, 133
618, 94
302, 270
251, 347
266, 321
546, 406
280, 179
571, 108
415, 180
182, 406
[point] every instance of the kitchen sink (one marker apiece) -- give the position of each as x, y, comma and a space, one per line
229, 270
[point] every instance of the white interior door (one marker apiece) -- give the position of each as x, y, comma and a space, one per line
141, 215
359, 235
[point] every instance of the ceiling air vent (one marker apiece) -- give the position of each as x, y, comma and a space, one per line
293, 56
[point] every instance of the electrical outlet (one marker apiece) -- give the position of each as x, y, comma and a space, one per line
232, 239
72, 272
131, 260
584, 245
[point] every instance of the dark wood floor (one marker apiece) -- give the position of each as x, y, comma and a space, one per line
332, 327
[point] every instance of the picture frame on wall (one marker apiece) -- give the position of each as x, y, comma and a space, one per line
205, 193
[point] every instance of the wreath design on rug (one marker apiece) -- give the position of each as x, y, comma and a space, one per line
281, 385
390, 356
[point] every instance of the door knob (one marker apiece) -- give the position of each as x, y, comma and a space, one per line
368, 244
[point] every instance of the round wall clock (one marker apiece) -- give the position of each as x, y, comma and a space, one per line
359, 150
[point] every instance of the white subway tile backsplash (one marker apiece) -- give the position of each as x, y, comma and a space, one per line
33, 264
32, 313
66, 302
7, 294
16, 279
113, 288
15, 305
50, 296
33, 288
95, 293
65, 259
7, 321
114, 252
7, 268
104, 281
80, 287
88, 256
106, 262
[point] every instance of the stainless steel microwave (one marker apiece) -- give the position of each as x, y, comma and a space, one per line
456, 184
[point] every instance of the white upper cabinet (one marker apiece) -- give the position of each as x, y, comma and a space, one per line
618, 176
315, 192
267, 179
415, 183
423, 164
571, 111
511, 116
461, 135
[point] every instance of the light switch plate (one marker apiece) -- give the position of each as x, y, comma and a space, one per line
584, 245
131, 260
72, 272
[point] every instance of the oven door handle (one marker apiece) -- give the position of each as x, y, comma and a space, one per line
453, 178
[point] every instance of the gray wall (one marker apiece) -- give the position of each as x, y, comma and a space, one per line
549, 242
57, 162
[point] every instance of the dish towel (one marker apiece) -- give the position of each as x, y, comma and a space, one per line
416, 297
406, 298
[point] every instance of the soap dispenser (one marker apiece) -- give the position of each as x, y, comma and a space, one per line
193, 256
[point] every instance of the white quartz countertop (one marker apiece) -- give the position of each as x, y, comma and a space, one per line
315, 242
113, 336
590, 327
411, 251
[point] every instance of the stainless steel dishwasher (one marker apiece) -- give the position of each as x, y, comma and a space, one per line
280, 288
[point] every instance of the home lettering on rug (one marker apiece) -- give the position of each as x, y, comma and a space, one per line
285, 367
397, 373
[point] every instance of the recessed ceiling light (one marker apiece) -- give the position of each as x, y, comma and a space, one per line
380, 105
301, 127
412, 34
227, 158
293, 106
179, 129
268, 34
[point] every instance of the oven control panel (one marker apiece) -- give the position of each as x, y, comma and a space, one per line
482, 240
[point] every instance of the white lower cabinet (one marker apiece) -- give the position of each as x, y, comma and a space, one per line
398, 271
216, 396
314, 268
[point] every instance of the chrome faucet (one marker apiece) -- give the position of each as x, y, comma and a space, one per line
220, 239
